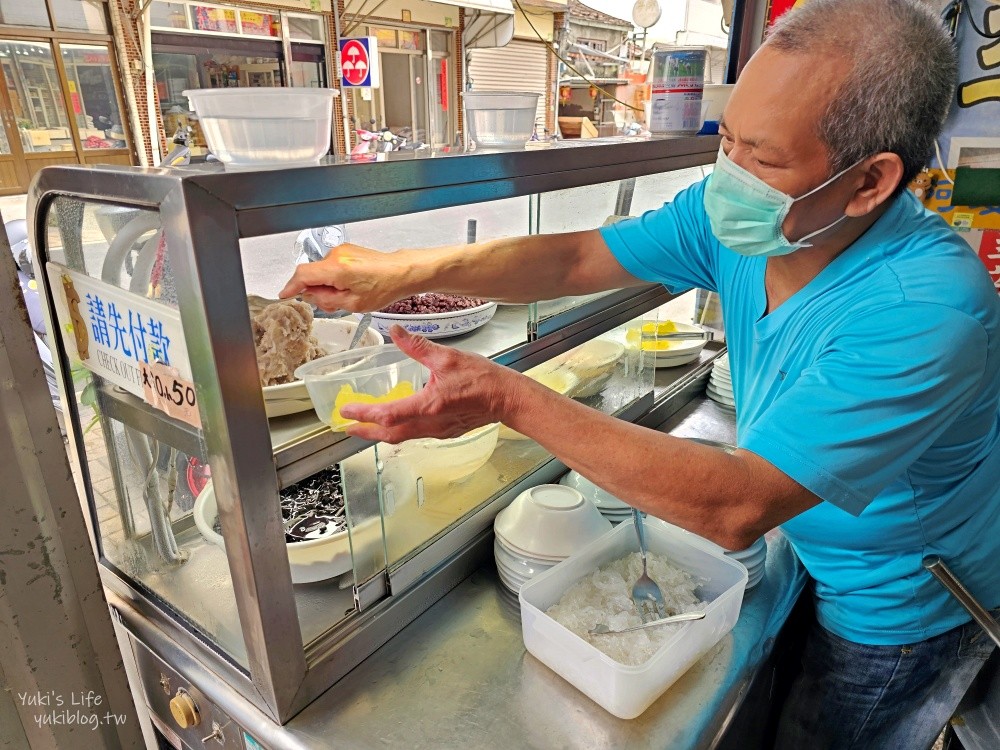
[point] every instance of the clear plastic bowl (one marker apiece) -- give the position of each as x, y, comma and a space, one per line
255, 127
627, 691
373, 374
440, 462
500, 119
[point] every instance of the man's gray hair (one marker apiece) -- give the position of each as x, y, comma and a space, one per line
901, 82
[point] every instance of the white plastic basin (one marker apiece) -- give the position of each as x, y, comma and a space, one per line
627, 691
259, 127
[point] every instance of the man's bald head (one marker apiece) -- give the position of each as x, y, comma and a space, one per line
899, 76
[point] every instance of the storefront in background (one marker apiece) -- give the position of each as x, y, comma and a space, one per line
202, 45
59, 96
417, 96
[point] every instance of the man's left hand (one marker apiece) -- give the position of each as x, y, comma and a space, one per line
465, 391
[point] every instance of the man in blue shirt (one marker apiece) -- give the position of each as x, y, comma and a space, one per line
864, 343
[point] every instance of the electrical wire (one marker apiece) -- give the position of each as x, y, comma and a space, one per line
941, 164
952, 14
982, 32
569, 65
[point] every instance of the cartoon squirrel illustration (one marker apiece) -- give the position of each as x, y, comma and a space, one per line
79, 326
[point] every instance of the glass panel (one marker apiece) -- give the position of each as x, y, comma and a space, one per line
441, 83
411, 40
418, 89
653, 190
440, 92
176, 72
169, 15
308, 68
386, 38
80, 15
24, 13
147, 472
260, 24
305, 28
573, 210
206, 67
428, 485
214, 19
4, 143
93, 96
36, 97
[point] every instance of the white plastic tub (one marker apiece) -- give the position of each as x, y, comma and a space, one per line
260, 127
622, 690
500, 119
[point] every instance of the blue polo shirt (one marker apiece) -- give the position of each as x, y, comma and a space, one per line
877, 387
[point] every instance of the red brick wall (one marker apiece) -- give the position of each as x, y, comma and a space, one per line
131, 58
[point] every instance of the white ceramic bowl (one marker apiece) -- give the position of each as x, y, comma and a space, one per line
679, 352
551, 520
604, 501
446, 461
518, 564
437, 325
334, 335
310, 561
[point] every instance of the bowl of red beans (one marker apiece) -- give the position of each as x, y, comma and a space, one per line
434, 315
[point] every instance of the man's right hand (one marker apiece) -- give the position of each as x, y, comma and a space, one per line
355, 279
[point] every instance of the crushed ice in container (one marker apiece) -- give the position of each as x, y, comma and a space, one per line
605, 596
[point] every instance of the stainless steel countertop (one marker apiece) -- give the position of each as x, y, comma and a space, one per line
459, 677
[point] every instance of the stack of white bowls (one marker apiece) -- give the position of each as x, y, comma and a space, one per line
753, 558
541, 528
610, 506
720, 384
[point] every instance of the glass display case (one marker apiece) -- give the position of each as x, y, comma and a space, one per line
196, 495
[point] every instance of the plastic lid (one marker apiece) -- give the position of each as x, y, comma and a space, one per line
556, 497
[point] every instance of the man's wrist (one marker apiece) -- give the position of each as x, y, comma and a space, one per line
509, 403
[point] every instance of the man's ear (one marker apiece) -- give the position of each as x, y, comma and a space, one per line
882, 174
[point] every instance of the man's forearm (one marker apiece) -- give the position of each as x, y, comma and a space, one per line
520, 269
729, 499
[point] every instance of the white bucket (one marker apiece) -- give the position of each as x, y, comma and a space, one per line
678, 80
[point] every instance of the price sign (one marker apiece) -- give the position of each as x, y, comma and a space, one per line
164, 389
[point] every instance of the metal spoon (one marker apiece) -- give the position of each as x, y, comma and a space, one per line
366, 320
602, 629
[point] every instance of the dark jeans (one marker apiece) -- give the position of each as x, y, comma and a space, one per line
849, 695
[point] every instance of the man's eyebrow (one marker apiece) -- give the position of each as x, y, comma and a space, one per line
760, 143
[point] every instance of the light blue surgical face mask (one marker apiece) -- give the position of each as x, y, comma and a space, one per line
746, 213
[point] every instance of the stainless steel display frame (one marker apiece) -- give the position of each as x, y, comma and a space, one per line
204, 213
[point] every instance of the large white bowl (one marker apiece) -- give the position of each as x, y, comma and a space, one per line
604, 501
310, 561
551, 520
437, 325
680, 352
446, 461
519, 565
334, 335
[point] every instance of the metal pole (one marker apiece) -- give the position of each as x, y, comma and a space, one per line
979, 613
470, 232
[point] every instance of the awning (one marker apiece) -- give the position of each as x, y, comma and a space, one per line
488, 23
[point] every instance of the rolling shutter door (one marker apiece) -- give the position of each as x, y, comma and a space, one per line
520, 66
